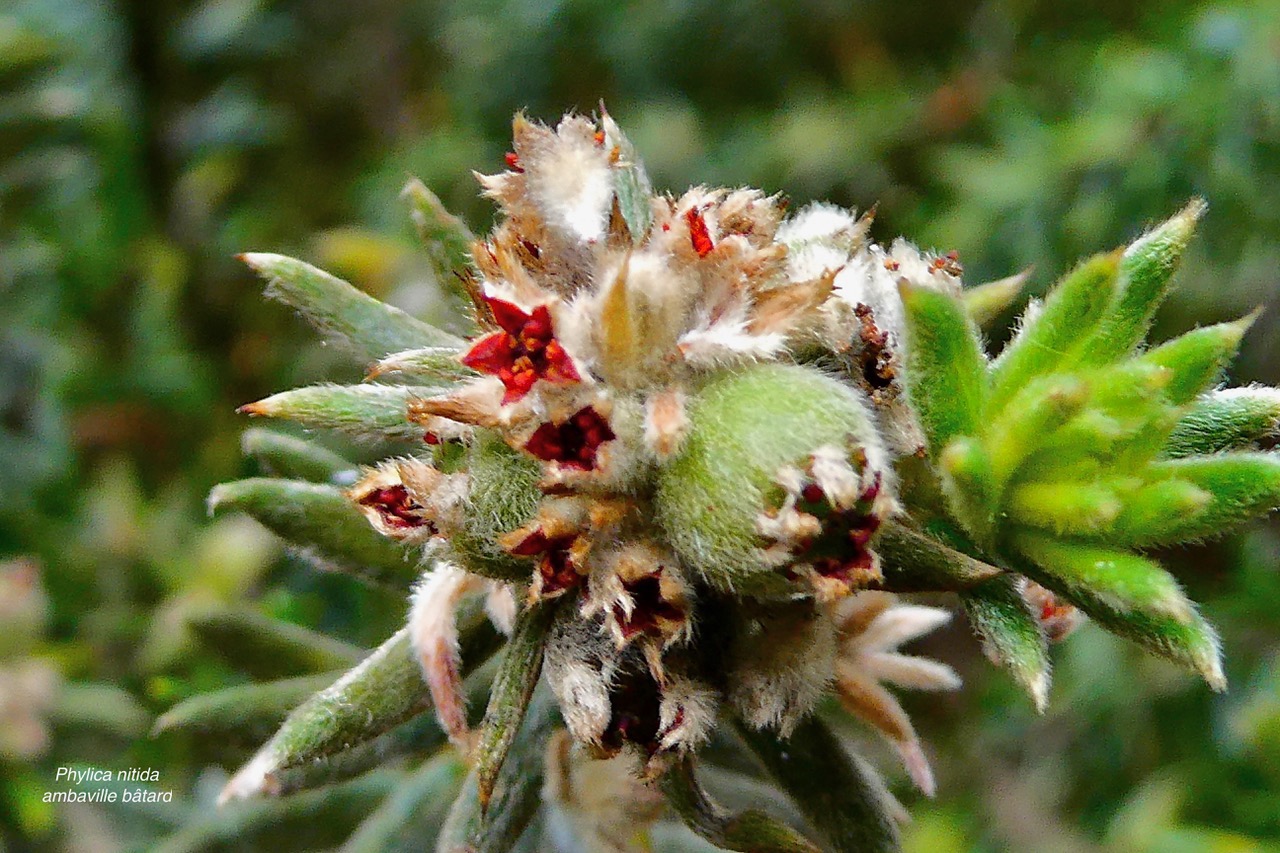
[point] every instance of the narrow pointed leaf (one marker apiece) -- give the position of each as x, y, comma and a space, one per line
985, 303
246, 712
1011, 634
1198, 358
367, 703
409, 820
518, 672
363, 411
269, 648
1160, 513
1036, 411
1123, 581
838, 794
313, 820
913, 561
324, 523
517, 796
1241, 486
1075, 508
1123, 596
283, 455
439, 363
1232, 419
1146, 270
969, 488
416, 738
1046, 341
381, 692
751, 830
446, 238
946, 370
333, 306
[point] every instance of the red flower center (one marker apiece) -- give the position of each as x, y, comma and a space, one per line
573, 443
397, 508
559, 574
649, 609
525, 351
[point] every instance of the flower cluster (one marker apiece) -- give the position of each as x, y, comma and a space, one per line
693, 446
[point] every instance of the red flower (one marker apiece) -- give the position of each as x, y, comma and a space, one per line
556, 567
650, 610
525, 351
573, 443
398, 509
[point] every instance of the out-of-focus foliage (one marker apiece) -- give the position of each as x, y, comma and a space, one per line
144, 143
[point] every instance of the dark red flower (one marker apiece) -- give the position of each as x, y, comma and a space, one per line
556, 567
650, 610
698, 233
396, 507
525, 351
573, 443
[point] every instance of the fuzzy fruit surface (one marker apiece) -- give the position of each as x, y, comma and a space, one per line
744, 428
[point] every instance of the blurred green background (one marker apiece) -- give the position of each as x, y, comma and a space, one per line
143, 144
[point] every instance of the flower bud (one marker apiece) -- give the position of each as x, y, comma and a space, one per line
781, 475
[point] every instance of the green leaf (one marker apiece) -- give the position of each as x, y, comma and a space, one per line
269, 648
1076, 508
323, 522
946, 370
346, 728
518, 672
1011, 634
969, 488
1159, 513
1197, 359
248, 712
1121, 580
751, 830
432, 362
985, 303
1036, 411
381, 692
313, 820
1048, 337
838, 793
631, 186
1146, 270
913, 561
409, 820
517, 795
447, 238
363, 411
1241, 486
1128, 595
333, 306
283, 455
1232, 419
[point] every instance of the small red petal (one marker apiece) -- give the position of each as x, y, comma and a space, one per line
538, 324
431, 438
599, 137
698, 233
491, 354
518, 385
509, 316
513, 161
